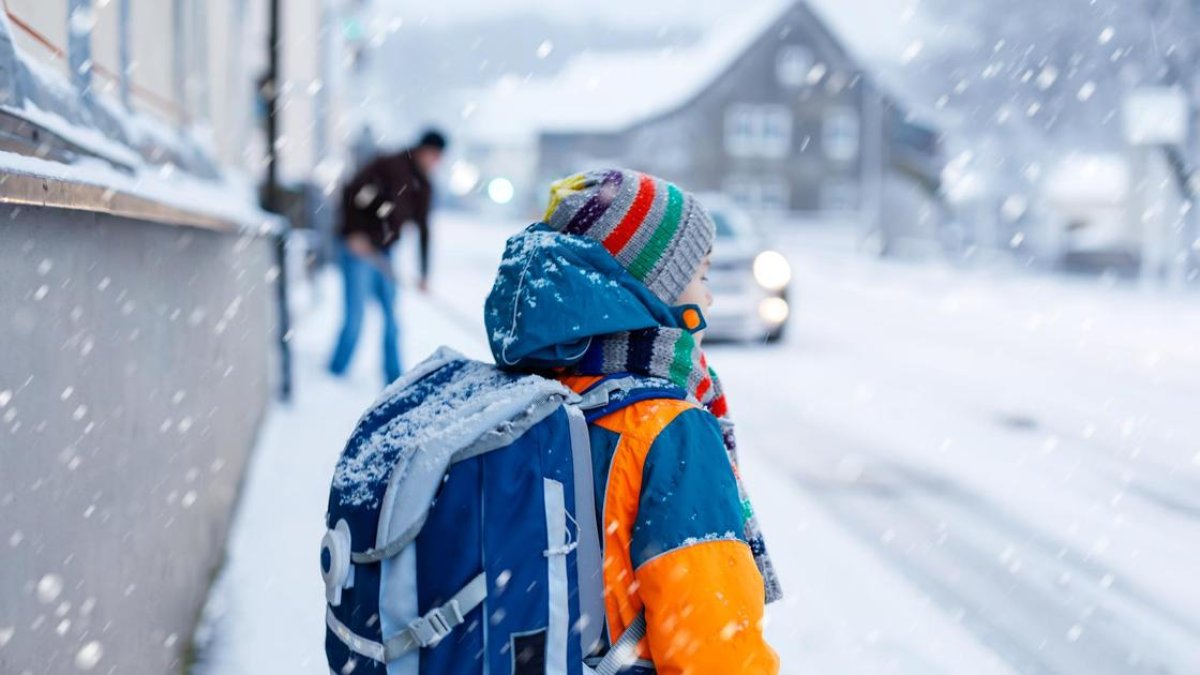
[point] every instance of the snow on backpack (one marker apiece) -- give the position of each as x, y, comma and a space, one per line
462, 533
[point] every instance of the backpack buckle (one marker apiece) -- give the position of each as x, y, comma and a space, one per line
435, 625
599, 396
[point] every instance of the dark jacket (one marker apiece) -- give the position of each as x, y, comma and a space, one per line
388, 192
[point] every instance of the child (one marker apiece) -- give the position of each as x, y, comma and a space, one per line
613, 285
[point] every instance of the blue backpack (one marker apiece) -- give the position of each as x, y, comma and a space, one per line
462, 531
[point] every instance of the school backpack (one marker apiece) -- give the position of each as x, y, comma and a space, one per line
462, 532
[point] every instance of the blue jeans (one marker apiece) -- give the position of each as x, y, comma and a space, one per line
361, 277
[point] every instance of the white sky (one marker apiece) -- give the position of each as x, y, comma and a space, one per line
620, 12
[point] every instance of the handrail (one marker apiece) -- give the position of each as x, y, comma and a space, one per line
33, 190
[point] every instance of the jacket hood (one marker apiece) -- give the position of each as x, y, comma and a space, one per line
554, 292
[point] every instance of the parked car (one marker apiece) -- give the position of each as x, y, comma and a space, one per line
749, 279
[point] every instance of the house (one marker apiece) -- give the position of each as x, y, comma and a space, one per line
773, 111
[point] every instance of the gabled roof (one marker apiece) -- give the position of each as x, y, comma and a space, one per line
584, 97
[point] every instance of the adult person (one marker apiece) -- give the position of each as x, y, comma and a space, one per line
385, 195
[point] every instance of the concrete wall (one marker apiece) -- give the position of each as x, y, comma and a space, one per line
135, 363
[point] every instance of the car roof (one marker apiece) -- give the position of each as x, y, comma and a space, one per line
738, 220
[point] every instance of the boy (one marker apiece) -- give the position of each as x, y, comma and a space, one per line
613, 285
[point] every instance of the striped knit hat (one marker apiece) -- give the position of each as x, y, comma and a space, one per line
659, 233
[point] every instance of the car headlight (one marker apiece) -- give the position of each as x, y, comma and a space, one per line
772, 271
774, 311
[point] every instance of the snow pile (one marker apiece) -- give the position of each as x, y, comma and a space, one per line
450, 407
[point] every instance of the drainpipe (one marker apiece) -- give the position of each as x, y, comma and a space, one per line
79, 46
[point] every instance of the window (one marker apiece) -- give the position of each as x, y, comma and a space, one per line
777, 132
793, 64
759, 194
840, 134
839, 195
758, 130
739, 131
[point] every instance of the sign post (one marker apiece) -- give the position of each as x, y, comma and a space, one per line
1154, 119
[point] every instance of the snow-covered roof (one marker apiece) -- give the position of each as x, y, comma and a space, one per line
584, 95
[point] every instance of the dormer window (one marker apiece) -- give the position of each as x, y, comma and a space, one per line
793, 65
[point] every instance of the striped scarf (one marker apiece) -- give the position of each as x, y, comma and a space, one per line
672, 354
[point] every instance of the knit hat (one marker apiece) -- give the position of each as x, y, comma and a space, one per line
656, 231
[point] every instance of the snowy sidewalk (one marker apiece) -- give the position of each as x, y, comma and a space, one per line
266, 611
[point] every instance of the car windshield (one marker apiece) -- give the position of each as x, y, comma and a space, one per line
724, 227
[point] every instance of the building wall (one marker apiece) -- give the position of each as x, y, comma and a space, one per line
135, 356
134, 375
803, 168
197, 63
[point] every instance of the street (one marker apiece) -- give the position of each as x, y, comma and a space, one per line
983, 472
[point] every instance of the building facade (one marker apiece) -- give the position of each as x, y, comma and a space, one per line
790, 126
194, 66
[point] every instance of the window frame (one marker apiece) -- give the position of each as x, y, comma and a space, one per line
841, 134
759, 130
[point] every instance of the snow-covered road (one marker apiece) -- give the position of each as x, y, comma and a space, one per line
957, 472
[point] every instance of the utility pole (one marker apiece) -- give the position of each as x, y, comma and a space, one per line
180, 66
272, 201
270, 93
324, 215
359, 44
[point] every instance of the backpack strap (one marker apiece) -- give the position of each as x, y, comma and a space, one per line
615, 392
624, 653
425, 631
608, 396
437, 623
587, 554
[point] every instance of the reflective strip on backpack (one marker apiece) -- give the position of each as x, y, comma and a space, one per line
398, 604
587, 555
357, 644
559, 546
